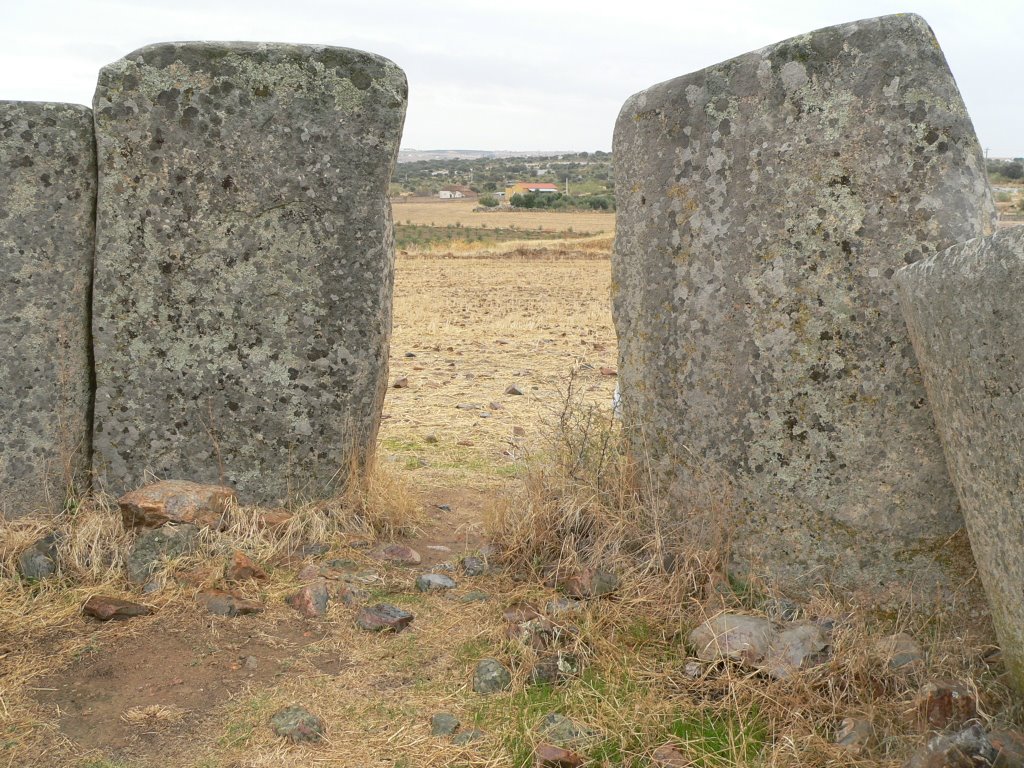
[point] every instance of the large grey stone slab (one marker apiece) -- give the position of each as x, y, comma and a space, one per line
244, 265
764, 205
47, 207
963, 309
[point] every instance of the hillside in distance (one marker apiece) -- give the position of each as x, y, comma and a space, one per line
414, 155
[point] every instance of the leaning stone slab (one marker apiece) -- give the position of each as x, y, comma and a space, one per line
244, 264
47, 205
764, 205
963, 308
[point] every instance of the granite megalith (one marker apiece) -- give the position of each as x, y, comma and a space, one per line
244, 264
962, 307
764, 205
47, 208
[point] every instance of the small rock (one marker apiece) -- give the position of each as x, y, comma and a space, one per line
176, 501
518, 431
153, 586
1010, 747
474, 596
444, 724
474, 566
40, 560
434, 582
445, 508
311, 601
222, 603
539, 633
466, 443
399, 553
430, 438
313, 549
853, 734
107, 608
309, 572
251, 663
440, 547
560, 730
899, 652
728, 635
608, 371
410, 354
491, 676
352, 596
496, 406
242, 568
552, 668
943, 704
273, 520
796, 647
468, 406
590, 582
402, 383
969, 748
563, 605
552, 756
512, 389
468, 737
781, 609
693, 670
155, 545
297, 724
519, 612
669, 756
383, 618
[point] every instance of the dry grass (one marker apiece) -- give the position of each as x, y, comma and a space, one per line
442, 213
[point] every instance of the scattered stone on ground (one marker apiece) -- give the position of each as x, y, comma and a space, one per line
351, 595
297, 724
781, 609
474, 596
468, 737
474, 566
561, 605
899, 652
552, 756
400, 553
520, 612
444, 724
107, 608
176, 501
468, 406
539, 633
434, 582
309, 572
735, 636
669, 756
552, 668
943, 704
157, 544
491, 676
311, 600
401, 383
562, 731
313, 549
40, 560
512, 389
693, 670
242, 568
968, 748
796, 647
854, 733
222, 603
589, 583
518, 431
383, 617
1010, 747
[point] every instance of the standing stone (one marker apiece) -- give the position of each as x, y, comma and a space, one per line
963, 310
245, 264
764, 205
47, 206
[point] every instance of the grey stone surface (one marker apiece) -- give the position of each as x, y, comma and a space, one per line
40, 561
47, 206
764, 205
155, 545
434, 582
491, 676
963, 309
244, 264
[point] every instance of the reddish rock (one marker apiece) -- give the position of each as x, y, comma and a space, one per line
519, 612
176, 501
311, 601
589, 582
1009, 746
222, 603
608, 371
273, 519
550, 756
107, 608
352, 596
943, 704
242, 568
399, 553
309, 572
383, 618
669, 756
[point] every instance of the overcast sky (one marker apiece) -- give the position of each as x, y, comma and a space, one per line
509, 74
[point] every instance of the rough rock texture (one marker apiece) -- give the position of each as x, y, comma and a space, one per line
47, 206
763, 206
153, 546
298, 724
107, 608
244, 264
176, 501
42, 559
963, 311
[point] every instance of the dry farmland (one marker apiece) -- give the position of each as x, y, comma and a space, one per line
443, 213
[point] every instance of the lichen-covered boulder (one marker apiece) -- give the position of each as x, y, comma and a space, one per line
244, 264
963, 310
47, 206
764, 205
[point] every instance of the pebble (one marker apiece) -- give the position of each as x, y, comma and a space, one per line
434, 582
383, 618
297, 724
491, 676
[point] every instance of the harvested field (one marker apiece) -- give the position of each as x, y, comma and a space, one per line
442, 213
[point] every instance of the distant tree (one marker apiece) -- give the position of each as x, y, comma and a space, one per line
489, 201
1012, 170
490, 186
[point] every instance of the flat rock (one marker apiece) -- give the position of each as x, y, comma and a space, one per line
589, 583
853, 734
383, 618
222, 603
41, 559
969, 748
434, 582
552, 668
108, 608
244, 264
763, 206
563, 731
311, 600
473, 566
47, 206
961, 309
157, 545
176, 501
400, 553
491, 676
669, 756
242, 568
943, 704
351, 595
444, 724
552, 756
468, 737
734, 636
298, 724
796, 647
